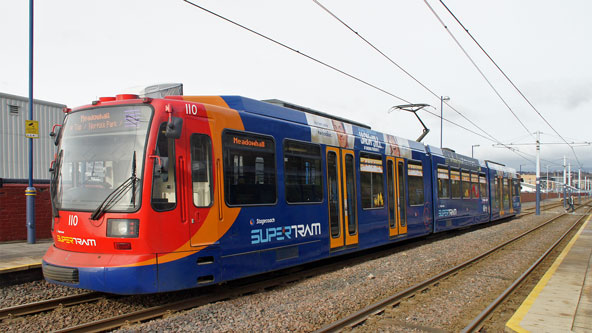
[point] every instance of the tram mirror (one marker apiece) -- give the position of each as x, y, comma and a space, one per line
55, 134
174, 127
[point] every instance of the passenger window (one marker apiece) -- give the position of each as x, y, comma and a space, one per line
333, 188
474, 185
302, 167
249, 169
415, 181
495, 194
350, 190
466, 184
402, 202
443, 183
517, 187
371, 179
506, 194
390, 187
164, 196
201, 170
483, 186
455, 184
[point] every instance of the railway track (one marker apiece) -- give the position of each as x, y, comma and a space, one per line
212, 295
478, 322
381, 306
48, 305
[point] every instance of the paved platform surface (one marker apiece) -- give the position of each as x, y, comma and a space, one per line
16, 256
562, 300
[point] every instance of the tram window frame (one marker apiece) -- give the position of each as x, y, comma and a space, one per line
236, 170
333, 198
483, 193
475, 185
456, 186
367, 188
199, 171
465, 187
439, 182
517, 185
160, 199
494, 193
303, 158
415, 184
506, 189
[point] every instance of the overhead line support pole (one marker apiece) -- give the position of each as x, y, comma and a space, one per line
30, 192
538, 174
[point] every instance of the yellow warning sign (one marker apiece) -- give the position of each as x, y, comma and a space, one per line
32, 129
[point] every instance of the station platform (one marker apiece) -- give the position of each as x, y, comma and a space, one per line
19, 256
562, 300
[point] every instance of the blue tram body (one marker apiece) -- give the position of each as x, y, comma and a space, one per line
250, 187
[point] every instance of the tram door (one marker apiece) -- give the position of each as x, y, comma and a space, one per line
199, 187
397, 203
342, 197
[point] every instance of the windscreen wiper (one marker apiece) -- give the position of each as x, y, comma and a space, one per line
118, 193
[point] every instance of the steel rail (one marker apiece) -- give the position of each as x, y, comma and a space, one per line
41, 306
192, 302
378, 307
161, 310
477, 323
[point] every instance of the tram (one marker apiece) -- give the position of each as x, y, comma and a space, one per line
155, 195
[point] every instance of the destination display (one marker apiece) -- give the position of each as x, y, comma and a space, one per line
108, 120
246, 141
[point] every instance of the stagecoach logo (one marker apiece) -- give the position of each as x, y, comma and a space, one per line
267, 235
262, 221
447, 212
77, 241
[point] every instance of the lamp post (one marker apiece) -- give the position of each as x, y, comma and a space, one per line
473, 146
442, 99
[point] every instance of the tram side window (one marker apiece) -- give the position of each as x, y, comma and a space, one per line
466, 184
164, 196
249, 169
506, 194
483, 186
443, 183
333, 195
303, 177
455, 184
495, 194
516, 187
475, 185
371, 180
201, 170
415, 183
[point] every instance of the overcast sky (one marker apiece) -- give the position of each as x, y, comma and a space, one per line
88, 49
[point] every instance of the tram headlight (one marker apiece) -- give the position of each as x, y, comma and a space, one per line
125, 228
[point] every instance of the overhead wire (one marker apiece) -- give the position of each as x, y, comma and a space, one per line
408, 74
399, 66
296, 51
341, 71
477, 67
509, 80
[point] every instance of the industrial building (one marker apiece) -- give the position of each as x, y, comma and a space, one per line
14, 165
14, 156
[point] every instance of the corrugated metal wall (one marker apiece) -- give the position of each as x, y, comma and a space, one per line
14, 147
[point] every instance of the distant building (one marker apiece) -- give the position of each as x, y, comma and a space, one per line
14, 146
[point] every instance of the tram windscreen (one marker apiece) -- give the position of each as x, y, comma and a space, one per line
96, 156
